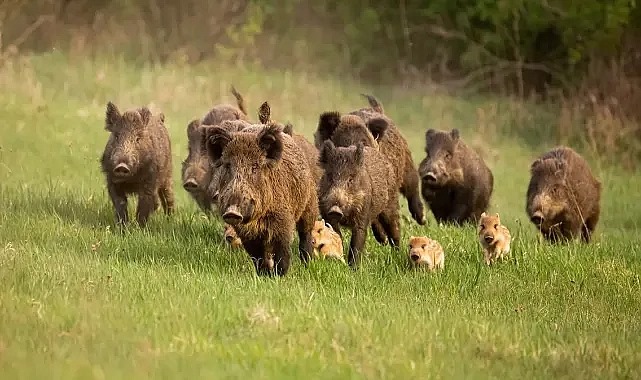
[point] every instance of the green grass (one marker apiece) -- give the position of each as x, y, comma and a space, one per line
78, 300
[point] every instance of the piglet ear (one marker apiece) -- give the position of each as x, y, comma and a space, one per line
327, 152
216, 140
377, 126
327, 124
112, 117
483, 214
270, 141
264, 113
455, 134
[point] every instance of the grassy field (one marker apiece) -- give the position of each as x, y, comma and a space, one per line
78, 300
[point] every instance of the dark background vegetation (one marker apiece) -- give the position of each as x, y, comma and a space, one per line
581, 57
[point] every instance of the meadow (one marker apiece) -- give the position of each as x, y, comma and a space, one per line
80, 300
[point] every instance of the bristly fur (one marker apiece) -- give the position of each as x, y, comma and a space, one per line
564, 193
456, 183
137, 160
265, 178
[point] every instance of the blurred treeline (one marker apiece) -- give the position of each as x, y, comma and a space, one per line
510, 44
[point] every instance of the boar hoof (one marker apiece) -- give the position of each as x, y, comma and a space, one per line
335, 212
122, 169
190, 184
232, 216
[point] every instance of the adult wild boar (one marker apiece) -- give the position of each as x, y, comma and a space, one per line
379, 130
455, 181
358, 188
563, 196
196, 172
137, 160
266, 190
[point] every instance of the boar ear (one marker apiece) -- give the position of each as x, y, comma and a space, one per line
145, 116
483, 214
216, 139
193, 126
535, 164
377, 126
429, 133
289, 129
271, 141
360, 148
112, 116
455, 134
264, 113
327, 124
161, 117
327, 151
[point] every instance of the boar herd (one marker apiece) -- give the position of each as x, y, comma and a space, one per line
268, 182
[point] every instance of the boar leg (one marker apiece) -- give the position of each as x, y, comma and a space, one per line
119, 200
460, 208
589, 227
356, 244
304, 229
379, 232
391, 223
282, 253
256, 250
166, 195
411, 190
147, 203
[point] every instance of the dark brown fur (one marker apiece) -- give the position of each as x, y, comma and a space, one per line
196, 172
376, 129
563, 196
266, 191
358, 188
455, 181
137, 160
310, 151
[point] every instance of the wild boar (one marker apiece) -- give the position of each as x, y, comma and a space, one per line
137, 160
494, 238
376, 130
426, 253
563, 197
327, 243
266, 190
357, 188
196, 170
455, 181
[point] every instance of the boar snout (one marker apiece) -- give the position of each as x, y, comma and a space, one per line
415, 256
429, 177
537, 218
232, 215
488, 238
335, 213
229, 238
122, 169
190, 184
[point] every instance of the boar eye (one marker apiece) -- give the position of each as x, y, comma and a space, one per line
448, 156
482, 226
138, 138
496, 226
